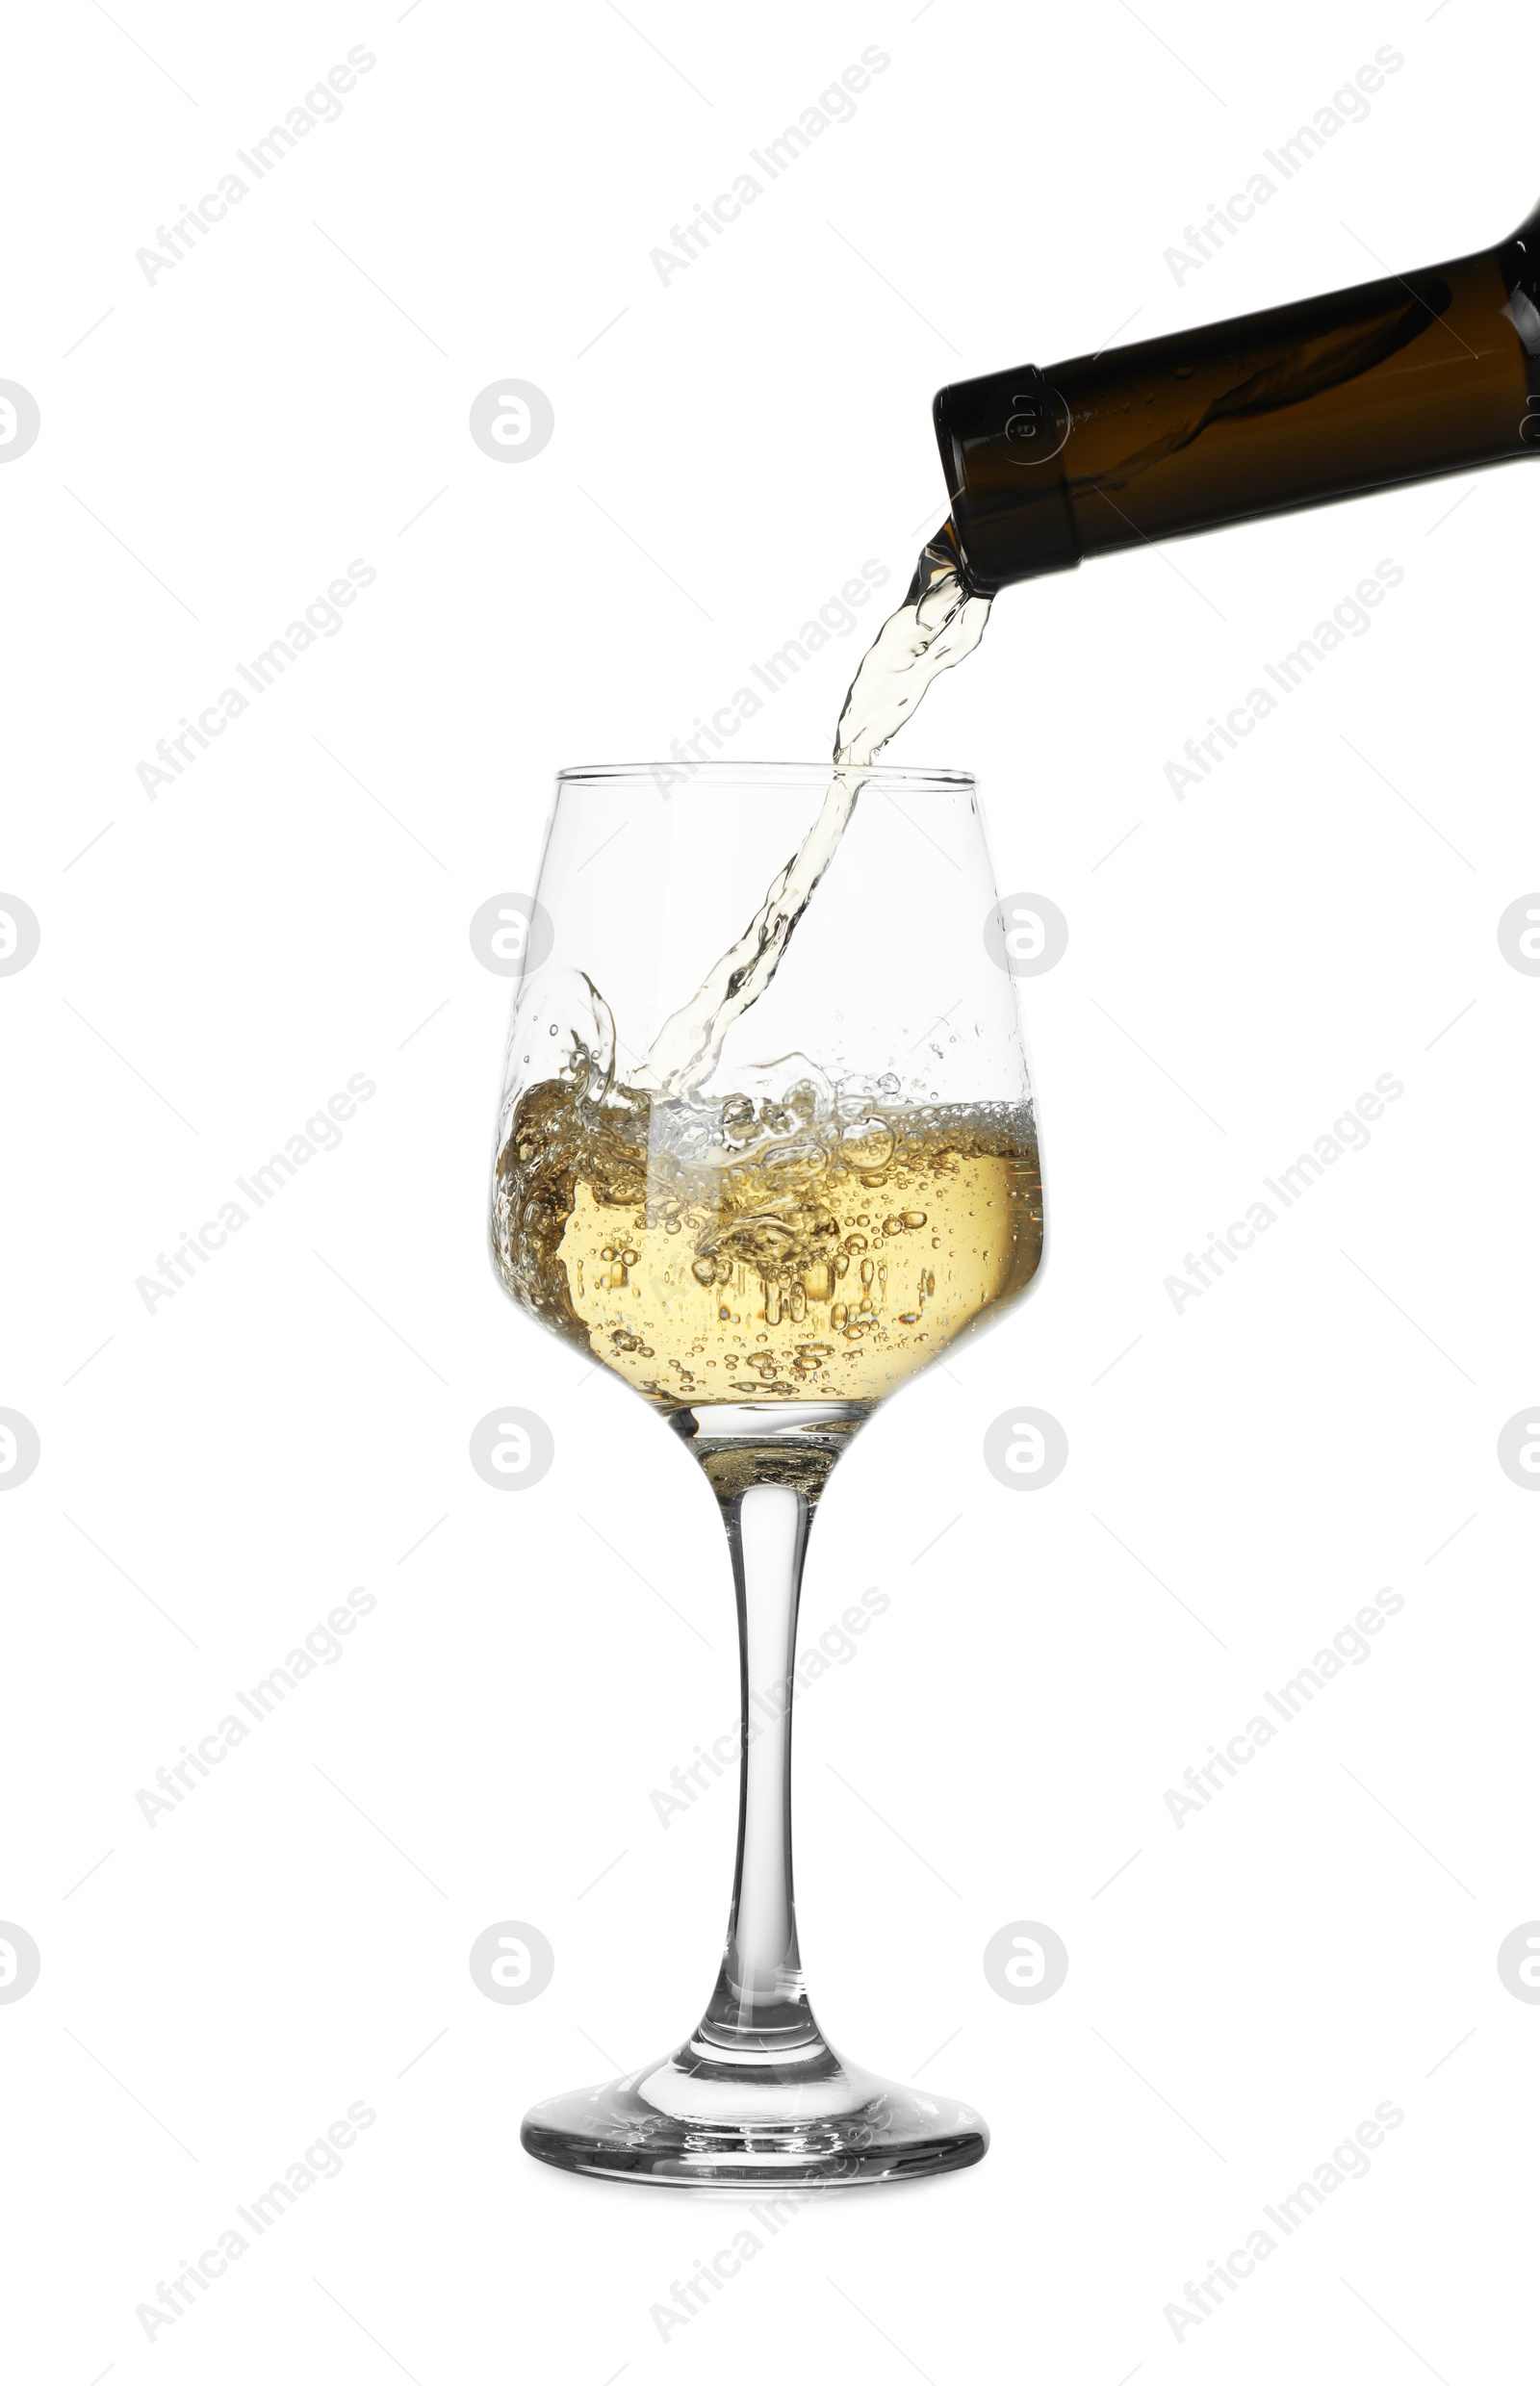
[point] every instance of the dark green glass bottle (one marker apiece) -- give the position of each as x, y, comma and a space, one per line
1394, 381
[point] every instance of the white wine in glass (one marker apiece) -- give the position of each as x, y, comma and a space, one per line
764, 1173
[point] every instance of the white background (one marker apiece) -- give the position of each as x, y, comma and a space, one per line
216, 448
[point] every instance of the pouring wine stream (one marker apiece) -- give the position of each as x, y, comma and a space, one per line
937, 623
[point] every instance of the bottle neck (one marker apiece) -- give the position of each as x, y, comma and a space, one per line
1394, 381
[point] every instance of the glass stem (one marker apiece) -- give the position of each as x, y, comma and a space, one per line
758, 2012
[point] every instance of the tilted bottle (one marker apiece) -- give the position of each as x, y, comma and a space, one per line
1395, 381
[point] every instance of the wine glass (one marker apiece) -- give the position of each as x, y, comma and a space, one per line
764, 1176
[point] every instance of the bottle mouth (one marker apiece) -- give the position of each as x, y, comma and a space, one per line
674, 772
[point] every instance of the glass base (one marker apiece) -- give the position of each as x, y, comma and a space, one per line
695, 2120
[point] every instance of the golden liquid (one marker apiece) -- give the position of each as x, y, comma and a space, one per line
763, 1253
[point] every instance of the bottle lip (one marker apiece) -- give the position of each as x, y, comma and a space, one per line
671, 772
1011, 516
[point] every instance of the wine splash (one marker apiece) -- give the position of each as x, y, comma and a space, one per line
819, 1246
800, 1241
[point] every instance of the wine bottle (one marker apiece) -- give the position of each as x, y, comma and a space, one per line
1395, 381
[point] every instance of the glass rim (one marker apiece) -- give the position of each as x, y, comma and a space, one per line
916, 777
